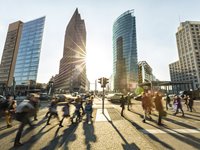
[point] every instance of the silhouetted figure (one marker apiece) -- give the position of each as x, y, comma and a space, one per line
190, 103
122, 100
168, 100
186, 99
129, 104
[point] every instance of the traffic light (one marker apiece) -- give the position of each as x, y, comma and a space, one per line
100, 80
105, 81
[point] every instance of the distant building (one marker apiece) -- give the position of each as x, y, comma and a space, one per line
187, 68
145, 73
20, 59
72, 71
10, 51
125, 69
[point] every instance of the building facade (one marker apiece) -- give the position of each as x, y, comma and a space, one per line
10, 52
28, 57
125, 68
187, 68
72, 70
145, 73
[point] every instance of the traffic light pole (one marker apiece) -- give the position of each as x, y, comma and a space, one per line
103, 102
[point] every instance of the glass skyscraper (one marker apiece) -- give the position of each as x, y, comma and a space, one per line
29, 52
72, 71
125, 68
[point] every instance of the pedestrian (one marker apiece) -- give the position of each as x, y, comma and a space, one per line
88, 110
66, 113
186, 99
76, 113
179, 105
122, 101
23, 112
190, 103
129, 104
53, 110
159, 107
34, 99
10, 110
146, 105
168, 100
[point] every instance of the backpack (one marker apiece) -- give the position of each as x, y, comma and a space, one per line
4, 104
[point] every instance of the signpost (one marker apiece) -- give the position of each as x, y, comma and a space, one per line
103, 81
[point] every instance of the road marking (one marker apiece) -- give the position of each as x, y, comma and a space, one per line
102, 117
174, 131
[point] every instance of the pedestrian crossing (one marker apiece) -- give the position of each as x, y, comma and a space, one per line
174, 131
102, 117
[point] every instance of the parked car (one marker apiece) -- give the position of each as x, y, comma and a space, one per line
44, 96
65, 97
115, 97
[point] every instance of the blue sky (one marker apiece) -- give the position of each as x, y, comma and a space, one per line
156, 24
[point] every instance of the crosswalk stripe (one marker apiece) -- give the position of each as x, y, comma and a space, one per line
102, 117
175, 131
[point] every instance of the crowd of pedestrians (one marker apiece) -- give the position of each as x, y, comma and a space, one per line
27, 109
154, 101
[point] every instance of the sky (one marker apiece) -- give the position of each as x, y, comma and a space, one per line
156, 24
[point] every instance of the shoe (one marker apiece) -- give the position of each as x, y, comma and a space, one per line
9, 126
36, 119
48, 124
61, 126
143, 121
17, 144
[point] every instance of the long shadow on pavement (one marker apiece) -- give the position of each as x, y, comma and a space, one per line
3, 135
89, 134
186, 138
167, 146
65, 138
33, 139
178, 122
126, 146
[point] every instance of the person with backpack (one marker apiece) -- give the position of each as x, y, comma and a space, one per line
53, 110
24, 111
88, 110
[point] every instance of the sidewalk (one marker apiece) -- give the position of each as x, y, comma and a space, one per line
117, 134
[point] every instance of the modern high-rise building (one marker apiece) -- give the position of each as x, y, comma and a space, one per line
21, 53
72, 70
125, 68
10, 52
29, 52
187, 68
